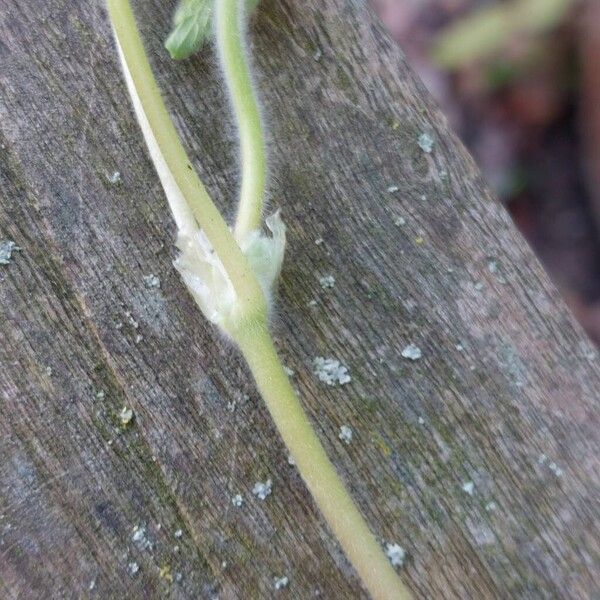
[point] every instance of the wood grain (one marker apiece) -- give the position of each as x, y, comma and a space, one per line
504, 396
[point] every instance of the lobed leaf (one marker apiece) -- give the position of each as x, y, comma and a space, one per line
193, 25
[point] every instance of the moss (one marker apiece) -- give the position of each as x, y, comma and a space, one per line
245, 547
344, 80
371, 405
430, 502
379, 442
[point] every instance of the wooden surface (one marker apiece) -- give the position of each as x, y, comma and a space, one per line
504, 397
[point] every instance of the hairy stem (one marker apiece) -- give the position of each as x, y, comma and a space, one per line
230, 30
164, 144
192, 206
316, 469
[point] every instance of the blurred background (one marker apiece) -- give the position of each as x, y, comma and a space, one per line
519, 80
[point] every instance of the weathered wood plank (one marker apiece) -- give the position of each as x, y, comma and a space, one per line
74, 483
506, 377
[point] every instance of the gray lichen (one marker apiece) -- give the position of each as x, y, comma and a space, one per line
330, 371
151, 281
280, 582
396, 553
412, 352
263, 489
7, 247
345, 434
426, 142
327, 282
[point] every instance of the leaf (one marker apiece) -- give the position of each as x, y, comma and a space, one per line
489, 29
206, 278
193, 26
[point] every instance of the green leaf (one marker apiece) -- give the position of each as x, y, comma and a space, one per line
489, 29
193, 25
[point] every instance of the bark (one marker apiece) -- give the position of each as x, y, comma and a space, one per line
480, 458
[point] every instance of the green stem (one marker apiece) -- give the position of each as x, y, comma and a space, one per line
316, 469
230, 29
251, 300
250, 329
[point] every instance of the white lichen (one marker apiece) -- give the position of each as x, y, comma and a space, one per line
262, 489
399, 221
327, 282
114, 177
7, 247
280, 582
412, 352
468, 487
345, 434
543, 459
393, 189
133, 568
396, 553
289, 372
330, 371
140, 538
555, 469
290, 460
178, 533
125, 415
426, 142
238, 500
204, 274
131, 320
151, 281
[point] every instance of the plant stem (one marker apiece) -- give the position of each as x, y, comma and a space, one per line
165, 141
189, 200
230, 29
317, 471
